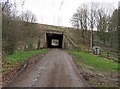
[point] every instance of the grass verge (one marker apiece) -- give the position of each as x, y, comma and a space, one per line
10, 61
96, 62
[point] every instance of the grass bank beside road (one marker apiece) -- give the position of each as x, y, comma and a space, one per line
17, 58
97, 70
96, 62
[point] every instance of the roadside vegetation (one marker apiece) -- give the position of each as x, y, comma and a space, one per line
98, 71
104, 18
19, 31
18, 58
95, 61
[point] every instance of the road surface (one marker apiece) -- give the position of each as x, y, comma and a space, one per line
56, 69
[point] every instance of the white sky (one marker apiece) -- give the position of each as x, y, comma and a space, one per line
49, 12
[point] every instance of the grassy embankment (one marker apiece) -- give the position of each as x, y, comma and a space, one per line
10, 61
94, 61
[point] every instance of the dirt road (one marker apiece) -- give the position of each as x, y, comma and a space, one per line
56, 69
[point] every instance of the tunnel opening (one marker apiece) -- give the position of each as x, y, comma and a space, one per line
54, 40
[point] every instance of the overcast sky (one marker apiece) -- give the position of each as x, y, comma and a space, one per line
57, 12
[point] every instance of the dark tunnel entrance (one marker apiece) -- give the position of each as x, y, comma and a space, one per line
54, 40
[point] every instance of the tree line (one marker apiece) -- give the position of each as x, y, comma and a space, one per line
100, 17
17, 29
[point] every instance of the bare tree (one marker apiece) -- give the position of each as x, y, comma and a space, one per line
80, 20
92, 22
103, 21
8, 25
92, 16
16, 31
28, 17
75, 20
4, 4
